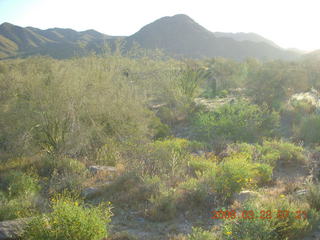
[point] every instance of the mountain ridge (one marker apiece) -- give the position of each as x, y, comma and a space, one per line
178, 35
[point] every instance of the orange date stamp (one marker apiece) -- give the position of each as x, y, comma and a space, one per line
263, 214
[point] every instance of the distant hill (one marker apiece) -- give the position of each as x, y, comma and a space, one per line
56, 42
182, 36
241, 36
179, 36
313, 55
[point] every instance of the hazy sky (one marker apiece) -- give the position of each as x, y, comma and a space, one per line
289, 23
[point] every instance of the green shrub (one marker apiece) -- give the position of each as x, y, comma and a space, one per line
20, 184
236, 172
249, 149
270, 152
199, 163
288, 153
122, 236
313, 196
223, 179
71, 166
19, 196
168, 156
70, 220
237, 122
294, 112
263, 173
163, 206
17, 208
109, 153
309, 129
200, 234
65, 174
277, 227
161, 130
130, 189
223, 93
195, 193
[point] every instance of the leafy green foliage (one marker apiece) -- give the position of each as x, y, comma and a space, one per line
163, 206
313, 196
201, 164
273, 82
288, 153
18, 196
309, 129
168, 156
238, 122
70, 219
200, 234
237, 172
275, 227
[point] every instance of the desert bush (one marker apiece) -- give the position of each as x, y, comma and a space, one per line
200, 234
70, 166
109, 153
167, 157
270, 152
122, 236
238, 171
70, 219
224, 178
263, 173
20, 184
161, 130
274, 224
268, 83
60, 182
279, 150
309, 129
163, 206
294, 112
72, 106
17, 208
195, 192
18, 198
62, 173
237, 122
131, 189
200, 163
313, 196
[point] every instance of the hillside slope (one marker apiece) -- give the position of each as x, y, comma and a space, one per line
182, 36
179, 36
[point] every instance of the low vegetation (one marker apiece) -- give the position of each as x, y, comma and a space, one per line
169, 156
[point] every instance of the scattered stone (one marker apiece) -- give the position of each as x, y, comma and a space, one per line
243, 196
98, 169
200, 152
91, 192
13, 229
140, 219
301, 192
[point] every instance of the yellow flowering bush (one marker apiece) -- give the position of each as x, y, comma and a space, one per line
237, 172
70, 220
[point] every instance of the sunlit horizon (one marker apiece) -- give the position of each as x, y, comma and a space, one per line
290, 24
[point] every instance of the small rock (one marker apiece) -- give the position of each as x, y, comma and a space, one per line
90, 192
243, 196
141, 220
301, 192
200, 152
96, 169
12, 230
